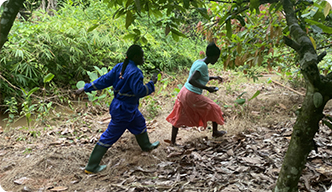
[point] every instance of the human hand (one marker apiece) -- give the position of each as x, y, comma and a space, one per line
79, 91
219, 79
212, 89
154, 78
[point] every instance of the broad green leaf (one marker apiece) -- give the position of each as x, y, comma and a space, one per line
156, 12
93, 27
130, 36
137, 31
204, 13
80, 84
229, 28
186, 4
327, 9
159, 76
178, 33
129, 19
48, 77
167, 30
93, 76
255, 95
240, 101
138, 5
325, 28
313, 42
254, 4
118, 13
144, 40
175, 36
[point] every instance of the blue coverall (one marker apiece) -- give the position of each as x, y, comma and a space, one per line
128, 89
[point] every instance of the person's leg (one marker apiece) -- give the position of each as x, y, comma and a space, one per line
215, 132
174, 134
107, 139
138, 128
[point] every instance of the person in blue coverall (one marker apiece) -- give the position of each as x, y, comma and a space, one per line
127, 81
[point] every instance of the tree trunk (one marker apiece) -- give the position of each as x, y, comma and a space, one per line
307, 122
10, 11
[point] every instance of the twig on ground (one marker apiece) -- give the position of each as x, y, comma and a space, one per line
276, 82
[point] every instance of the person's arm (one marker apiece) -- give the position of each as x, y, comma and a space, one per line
216, 78
102, 82
137, 86
194, 81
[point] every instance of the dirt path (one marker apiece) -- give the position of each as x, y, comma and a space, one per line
248, 158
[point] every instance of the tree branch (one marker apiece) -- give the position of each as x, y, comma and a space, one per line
323, 47
10, 11
292, 44
321, 56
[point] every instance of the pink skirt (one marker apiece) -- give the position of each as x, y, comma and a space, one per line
192, 109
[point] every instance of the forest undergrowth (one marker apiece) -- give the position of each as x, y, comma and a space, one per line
247, 158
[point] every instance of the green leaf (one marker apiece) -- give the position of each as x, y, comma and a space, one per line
328, 117
138, 5
255, 95
175, 36
186, 4
240, 18
240, 101
159, 76
129, 19
93, 76
229, 28
178, 33
93, 27
327, 9
325, 28
328, 124
241, 94
137, 31
24, 92
48, 77
144, 40
204, 13
130, 36
167, 30
32, 91
254, 4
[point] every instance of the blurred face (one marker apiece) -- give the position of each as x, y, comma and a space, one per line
139, 58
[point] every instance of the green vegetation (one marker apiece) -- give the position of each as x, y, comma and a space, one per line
79, 43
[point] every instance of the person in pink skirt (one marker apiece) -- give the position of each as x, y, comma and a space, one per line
191, 108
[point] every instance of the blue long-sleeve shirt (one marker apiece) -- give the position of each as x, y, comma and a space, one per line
127, 90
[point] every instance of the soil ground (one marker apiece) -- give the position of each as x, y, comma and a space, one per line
247, 158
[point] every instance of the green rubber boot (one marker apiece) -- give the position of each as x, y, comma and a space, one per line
94, 160
144, 142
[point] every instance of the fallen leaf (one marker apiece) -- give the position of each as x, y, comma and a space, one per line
167, 141
59, 188
174, 154
282, 106
22, 180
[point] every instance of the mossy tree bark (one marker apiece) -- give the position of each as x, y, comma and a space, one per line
11, 8
307, 122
